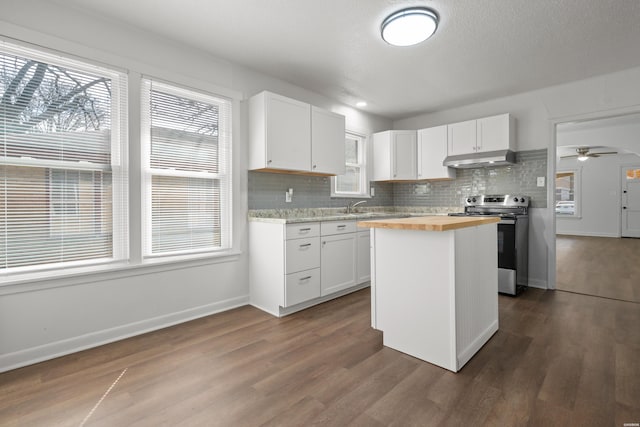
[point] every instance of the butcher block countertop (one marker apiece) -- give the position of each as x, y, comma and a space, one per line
430, 223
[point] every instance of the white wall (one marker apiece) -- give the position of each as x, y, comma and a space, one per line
536, 113
600, 180
47, 318
599, 200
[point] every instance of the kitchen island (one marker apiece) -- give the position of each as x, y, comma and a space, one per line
434, 285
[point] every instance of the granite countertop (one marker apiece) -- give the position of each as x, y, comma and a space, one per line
290, 216
430, 223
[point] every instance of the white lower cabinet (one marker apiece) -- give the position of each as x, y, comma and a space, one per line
294, 266
302, 254
301, 286
338, 263
363, 263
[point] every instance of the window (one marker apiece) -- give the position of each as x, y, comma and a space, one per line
354, 182
63, 175
567, 193
187, 186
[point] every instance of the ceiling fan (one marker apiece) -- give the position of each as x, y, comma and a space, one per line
584, 154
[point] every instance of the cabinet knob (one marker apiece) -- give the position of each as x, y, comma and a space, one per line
268, 161
314, 166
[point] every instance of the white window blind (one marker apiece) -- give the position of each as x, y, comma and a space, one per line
186, 139
63, 175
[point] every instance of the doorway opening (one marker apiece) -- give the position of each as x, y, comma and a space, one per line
597, 205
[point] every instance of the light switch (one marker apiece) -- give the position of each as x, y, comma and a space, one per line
541, 181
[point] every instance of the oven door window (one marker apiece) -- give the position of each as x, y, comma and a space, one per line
507, 246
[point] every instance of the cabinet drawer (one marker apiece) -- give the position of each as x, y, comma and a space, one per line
337, 227
306, 229
302, 254
301, 286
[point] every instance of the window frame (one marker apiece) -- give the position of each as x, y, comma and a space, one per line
117, 166
362, 164
224, 176
577, 192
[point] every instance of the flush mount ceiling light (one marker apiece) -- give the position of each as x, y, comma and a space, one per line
361, 104
409, 26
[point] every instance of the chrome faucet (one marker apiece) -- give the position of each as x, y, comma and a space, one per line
352, 205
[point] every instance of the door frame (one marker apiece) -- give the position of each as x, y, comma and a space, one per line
622, 168
551, 177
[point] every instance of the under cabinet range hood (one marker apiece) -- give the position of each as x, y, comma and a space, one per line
481, 160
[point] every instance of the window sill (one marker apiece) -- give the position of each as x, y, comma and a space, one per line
350, 196
29, 282
568, 217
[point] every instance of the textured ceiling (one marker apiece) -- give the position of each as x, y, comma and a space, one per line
482, 49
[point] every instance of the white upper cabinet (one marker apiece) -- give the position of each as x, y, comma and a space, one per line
290, 135
432, 150
280, 133
482, 135
394, 155
496, 133
327, 142
462, 138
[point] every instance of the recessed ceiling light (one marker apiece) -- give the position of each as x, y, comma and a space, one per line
361, 104
409, 26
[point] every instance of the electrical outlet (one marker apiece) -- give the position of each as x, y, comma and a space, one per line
541, 181
373, 191
288, 195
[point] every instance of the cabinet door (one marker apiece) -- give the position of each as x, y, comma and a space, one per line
493, 133
302, 254
403, 154
432, 150
382, 156
288, 133
461, 138
337, 263
301, 286
327, 142
363, 265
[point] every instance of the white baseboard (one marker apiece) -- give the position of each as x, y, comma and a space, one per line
587, 234
538, 283
52, 350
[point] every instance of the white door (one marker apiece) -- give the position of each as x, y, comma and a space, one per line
630, 201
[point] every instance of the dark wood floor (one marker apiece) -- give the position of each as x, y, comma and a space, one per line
559, 359
601, 266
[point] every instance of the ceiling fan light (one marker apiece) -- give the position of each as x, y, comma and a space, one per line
582, 158
408, 27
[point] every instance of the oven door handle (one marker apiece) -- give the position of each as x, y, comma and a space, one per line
507, 221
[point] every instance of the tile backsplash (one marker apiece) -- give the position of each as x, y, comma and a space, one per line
520, 178
267, 190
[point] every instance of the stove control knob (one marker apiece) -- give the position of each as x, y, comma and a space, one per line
473, 200
468, 200
515, 199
